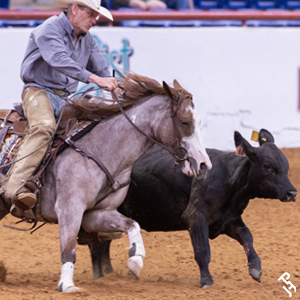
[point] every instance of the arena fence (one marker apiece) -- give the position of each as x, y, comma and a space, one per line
291, 18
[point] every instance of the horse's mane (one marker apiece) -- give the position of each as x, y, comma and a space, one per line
135, 88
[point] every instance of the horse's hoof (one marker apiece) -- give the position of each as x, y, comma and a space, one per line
67, 288
72, 289
256, 275
135, 265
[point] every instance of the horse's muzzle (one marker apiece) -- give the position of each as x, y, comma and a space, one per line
191, 168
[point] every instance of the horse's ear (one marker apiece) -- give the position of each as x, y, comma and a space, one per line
176, 85
170, 92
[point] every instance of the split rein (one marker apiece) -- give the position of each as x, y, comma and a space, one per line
180, 153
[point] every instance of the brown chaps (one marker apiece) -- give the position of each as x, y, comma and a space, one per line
41, 123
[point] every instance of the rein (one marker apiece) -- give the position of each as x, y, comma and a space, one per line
180, 153
49, 141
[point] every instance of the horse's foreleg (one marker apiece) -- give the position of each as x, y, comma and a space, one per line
113, 221
69, 225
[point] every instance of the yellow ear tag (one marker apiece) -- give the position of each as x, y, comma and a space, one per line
255, 136
264, 139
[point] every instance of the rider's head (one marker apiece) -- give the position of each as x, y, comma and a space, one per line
83, 14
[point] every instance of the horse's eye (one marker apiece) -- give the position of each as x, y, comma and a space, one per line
185, 123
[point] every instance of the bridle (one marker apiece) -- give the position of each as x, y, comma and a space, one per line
179, 153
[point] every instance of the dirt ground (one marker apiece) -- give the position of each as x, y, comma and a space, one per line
170, 271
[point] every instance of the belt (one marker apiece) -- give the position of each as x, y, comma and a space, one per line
61, 93
58, 92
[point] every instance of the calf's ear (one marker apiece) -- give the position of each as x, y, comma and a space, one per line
265, 136
243, 147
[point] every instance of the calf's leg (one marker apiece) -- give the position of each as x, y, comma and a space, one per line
199, 234
240, 232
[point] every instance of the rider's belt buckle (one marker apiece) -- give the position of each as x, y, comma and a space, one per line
60, 92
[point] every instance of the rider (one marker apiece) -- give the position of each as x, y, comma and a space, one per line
60, 53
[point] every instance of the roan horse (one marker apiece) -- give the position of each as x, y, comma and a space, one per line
74, 184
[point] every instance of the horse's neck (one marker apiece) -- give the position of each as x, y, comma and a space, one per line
119, 140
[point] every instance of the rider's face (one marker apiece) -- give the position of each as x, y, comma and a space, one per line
84, 19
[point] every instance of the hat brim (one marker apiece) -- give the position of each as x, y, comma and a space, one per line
101, 10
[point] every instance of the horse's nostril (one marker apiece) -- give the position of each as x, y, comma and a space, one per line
203, 166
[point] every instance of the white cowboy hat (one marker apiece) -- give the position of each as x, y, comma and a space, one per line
93, 4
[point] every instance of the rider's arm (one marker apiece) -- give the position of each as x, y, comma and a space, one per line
54, 45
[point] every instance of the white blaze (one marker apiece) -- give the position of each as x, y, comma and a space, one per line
195, 146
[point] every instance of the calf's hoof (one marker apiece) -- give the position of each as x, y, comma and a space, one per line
206, 282
256, 275
135, 265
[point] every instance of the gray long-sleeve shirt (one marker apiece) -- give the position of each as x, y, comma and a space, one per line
52, 59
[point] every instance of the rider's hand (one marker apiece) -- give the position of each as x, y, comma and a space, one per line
118, 92
108, 83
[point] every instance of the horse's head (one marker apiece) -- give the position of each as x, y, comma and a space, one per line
186, 122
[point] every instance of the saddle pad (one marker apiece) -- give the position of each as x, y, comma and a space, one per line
11, 143
9, 150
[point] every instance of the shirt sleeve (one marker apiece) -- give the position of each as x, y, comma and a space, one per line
50, 41
97, 64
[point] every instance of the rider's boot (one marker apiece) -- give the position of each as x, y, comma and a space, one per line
25, 200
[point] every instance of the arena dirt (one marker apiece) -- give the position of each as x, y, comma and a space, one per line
170, 272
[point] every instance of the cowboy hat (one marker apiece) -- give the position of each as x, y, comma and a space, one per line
93, 4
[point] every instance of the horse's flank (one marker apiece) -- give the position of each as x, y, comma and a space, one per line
136, 88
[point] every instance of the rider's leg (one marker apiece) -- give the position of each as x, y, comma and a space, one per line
41, 123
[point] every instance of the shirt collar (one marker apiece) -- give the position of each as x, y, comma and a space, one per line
67, 25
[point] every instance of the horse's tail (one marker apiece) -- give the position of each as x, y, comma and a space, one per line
2, 201
2, 177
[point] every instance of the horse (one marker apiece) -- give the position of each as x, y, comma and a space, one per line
77, 193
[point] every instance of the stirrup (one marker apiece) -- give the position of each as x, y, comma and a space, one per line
22, 202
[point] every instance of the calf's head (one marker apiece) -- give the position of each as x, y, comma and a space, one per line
268, 174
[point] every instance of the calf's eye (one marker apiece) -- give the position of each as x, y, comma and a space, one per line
267, 166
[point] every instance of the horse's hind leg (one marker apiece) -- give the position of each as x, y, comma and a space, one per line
99, 251
4, 208
113, 221
101, 258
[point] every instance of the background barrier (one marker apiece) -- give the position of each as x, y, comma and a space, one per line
120, 15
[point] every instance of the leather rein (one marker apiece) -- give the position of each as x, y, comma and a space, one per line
180, 153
